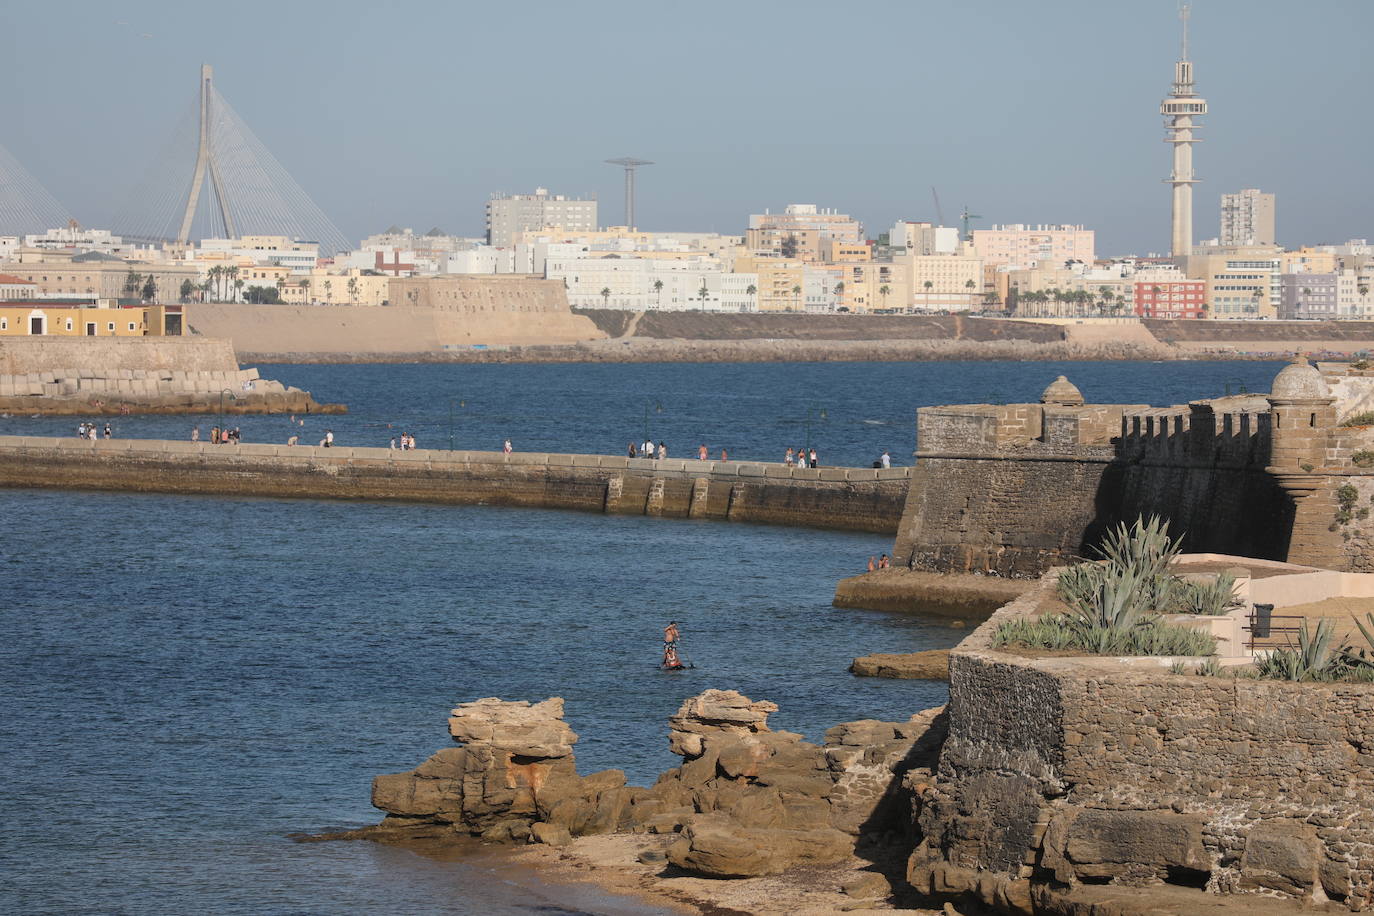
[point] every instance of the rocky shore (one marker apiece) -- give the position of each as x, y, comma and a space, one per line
747, 802
954, 596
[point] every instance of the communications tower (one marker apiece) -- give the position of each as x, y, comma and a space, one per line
1179, 110
629, 164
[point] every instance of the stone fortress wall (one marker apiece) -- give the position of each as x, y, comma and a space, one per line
1015, 489
1061, 774
856, 499
426, 315
109, 375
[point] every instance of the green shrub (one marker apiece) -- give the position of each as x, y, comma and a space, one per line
1359, 419
1364, 458
1150, 636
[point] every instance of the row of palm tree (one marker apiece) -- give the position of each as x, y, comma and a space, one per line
1105, 301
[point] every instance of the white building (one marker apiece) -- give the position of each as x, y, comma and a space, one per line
75, 238
1355, 292
510, 214
298, 256
653, 284
1247, 218
923, 238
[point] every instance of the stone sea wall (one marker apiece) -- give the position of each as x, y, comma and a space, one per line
857, 499
111, 376
23, 355
1064, 773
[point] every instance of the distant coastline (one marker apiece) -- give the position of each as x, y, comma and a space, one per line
654, 350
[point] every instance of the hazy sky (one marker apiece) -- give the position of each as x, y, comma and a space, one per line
413, 113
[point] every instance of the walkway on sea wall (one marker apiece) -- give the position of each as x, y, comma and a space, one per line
855, 499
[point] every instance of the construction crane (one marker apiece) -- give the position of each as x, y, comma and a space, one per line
966, 217
940, 213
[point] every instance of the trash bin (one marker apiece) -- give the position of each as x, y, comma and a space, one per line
1261, 620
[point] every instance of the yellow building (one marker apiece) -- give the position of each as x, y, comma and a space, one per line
320, 287
38, 317
780, 284
943, 282
834, 251
1241, 282
876, 287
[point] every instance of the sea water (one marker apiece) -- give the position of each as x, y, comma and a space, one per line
190, 680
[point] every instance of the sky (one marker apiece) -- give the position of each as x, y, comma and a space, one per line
415, 113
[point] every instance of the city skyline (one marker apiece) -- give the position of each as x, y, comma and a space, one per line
1021, 131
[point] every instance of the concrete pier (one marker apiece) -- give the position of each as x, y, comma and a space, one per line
854, 499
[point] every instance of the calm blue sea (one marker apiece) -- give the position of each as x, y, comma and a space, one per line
187, 681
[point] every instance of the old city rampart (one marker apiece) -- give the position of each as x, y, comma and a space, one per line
843, 498
1014, 489
1060, 774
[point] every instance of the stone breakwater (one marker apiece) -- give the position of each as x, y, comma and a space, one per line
855, 499
118, 391
115, 375
746, 800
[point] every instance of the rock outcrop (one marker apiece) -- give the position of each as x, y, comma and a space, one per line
932, 664
746, 800
514, 771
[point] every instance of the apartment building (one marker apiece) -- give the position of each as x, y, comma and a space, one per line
514, 213
1247, 218
1029, 246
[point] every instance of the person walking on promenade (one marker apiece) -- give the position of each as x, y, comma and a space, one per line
632, 451
701, 452
506, 447
195, 433
886, 459
724, 455
662, 451
788, 459
393, 443
814, 462
328, 440
109, 433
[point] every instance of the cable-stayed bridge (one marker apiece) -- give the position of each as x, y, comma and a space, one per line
216, 179
25, 205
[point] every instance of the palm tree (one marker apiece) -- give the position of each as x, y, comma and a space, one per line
353, 289
701, 294
970, 285
658, 290
606, 296
328, 292
884, 291
281, 288
929, 285
132, 284
751, 291
796, 292
238, 289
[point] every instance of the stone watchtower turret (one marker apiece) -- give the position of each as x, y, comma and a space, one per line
1303, 415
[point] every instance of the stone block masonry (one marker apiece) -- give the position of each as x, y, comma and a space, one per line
1061, 773
854, 499
112, 375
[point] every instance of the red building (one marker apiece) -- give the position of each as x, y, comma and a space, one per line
1171, 299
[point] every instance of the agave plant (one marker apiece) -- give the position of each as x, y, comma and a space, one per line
1313, 660
1211, 599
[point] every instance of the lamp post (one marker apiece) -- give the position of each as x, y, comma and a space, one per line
451, 402
658, 408
813, 413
